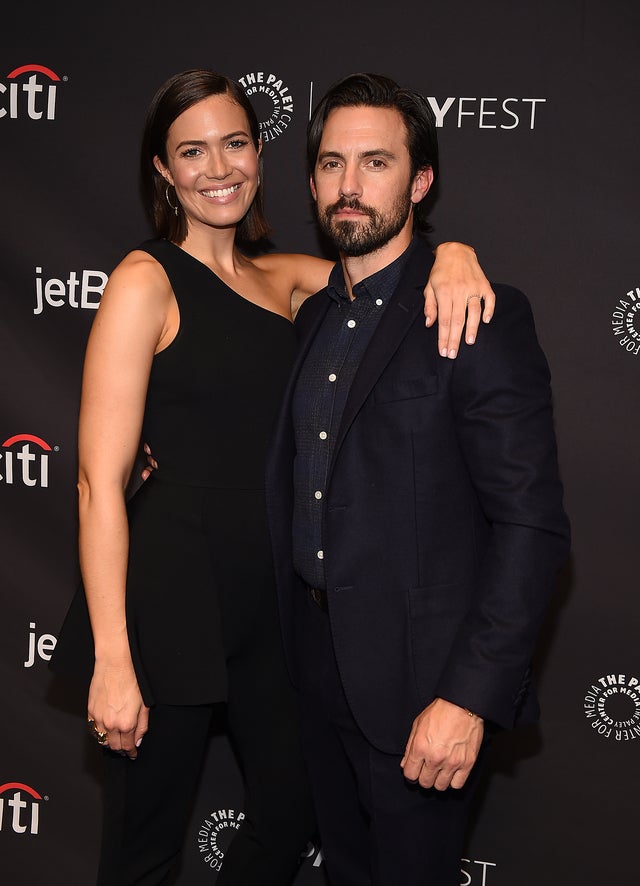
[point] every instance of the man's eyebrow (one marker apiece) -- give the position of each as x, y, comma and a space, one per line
379, 152
325, 154
374, 152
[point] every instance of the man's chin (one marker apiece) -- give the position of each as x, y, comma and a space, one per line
350, 237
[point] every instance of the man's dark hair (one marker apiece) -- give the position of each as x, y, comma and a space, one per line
377, 91
175, 96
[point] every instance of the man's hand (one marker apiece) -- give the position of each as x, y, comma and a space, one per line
443, 746
152, 464
455, 291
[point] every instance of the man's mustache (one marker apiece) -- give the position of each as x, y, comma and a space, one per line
351, 203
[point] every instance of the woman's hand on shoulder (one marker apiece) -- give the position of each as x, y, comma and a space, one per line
455, 291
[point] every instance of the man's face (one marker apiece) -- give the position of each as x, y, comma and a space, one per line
362, 180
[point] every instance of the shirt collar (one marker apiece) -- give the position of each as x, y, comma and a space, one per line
380, 285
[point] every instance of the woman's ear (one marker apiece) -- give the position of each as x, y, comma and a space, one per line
162, 169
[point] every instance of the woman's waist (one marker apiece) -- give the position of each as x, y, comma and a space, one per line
209, 464
207, 480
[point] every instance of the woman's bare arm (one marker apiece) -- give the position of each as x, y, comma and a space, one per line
451, 293
128, 327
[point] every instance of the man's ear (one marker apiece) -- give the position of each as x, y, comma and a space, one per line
421, 183
162, 169
312, 185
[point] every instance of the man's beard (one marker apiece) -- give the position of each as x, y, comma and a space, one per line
360, 237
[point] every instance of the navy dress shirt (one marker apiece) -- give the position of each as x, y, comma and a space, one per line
319, 400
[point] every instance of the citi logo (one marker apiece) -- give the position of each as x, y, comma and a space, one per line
19, 808
24, 460
31, 92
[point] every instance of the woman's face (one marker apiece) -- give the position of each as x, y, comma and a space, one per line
212, 162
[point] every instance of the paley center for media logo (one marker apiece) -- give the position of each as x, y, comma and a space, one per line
24, 461
31, 91
19, 808
625, 322
272, 100
612, 707
215, 834
218, 829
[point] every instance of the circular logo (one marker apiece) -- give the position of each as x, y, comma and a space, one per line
612, 707
215, 834
272, 101
625, 322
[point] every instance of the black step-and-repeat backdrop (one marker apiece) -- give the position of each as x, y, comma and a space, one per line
537, 105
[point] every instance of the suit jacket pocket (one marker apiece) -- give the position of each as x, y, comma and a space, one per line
388, 390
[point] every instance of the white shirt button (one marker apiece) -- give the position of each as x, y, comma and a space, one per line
322, 435
351, 323
378, 301
318, 494
332, 376
320, 555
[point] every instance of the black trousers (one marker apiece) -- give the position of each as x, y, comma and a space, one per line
148, 801
376, 829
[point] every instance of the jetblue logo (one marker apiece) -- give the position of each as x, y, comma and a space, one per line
82, 289
38, 647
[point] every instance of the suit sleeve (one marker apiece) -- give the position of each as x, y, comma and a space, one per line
502, 403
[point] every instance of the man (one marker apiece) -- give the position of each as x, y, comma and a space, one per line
426, 509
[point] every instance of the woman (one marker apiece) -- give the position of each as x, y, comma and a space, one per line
189, 350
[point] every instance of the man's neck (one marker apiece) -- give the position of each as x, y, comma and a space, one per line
358, 267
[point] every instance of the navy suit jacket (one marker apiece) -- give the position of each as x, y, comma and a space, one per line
443, 523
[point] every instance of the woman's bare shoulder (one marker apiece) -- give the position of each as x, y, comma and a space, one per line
141, 274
